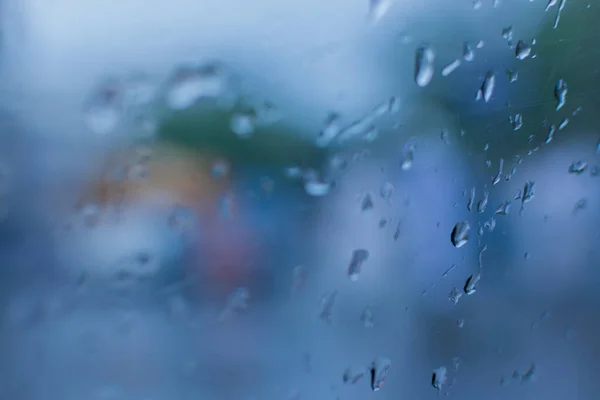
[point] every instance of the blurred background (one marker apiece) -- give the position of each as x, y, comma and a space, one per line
272, 200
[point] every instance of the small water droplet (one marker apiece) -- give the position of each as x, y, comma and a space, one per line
299, 277
523, 50
526, 256
455, 295
460, 323
551, 3
424, 65
460, 234
406, 162
577, 167
507, 33
451, 67
516, 121
551, 133
327, 303
358, 258
503, 208
487, 88
560, 93
498, 176
190, 84
468, 53
561, 7
367, 203
331, 129
314, 185
444, 136
471, 202
366, 318
438, 379
243, 124
482, 205
477, 4
354, 374
379, 371
378, 9
563, 124
512, 75
387, 191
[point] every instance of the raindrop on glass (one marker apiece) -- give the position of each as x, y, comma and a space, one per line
560, 93
424, 65
358, 258
522, 50
577, 167
487, 87
451, 67
379, 371
460, 234
438, 379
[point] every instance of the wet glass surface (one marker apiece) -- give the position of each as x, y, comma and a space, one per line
299, 199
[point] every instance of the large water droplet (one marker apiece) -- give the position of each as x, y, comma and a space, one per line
424, 65
460, 234
468, 53
190, 84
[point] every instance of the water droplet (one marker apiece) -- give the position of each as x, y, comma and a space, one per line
561, 7
358, 258
560, 93
243, 124
460, 234
496, 179
490, 225
367, 203
471, 283
379, 370
551, 133
354, 374
371, 135
444, 136
551, 3
378, 9
516, 121
314, 185
331, 128
577, 167
580, 205
366, 318
424, 65
512, 75
471, 202
522, 50
482, 205
408, 157
595, 171
477, 4
507, 33
526, 256
103, 112
503, 208
468, 53
460, 323
456, 361
299, 277
397, 231
487, 88
237, 302
327, 303
438, 379
387, 191
190, 84
455, 295
451, 67
528, 193
563, 124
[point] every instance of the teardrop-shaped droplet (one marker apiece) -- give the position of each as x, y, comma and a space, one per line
424, 65
438, 379
460, 234
379, 371
560, 93
471, 283
487, 87
354, 374
523, 50
468, 53
243, 124
577, 167
503, 208
358, 258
